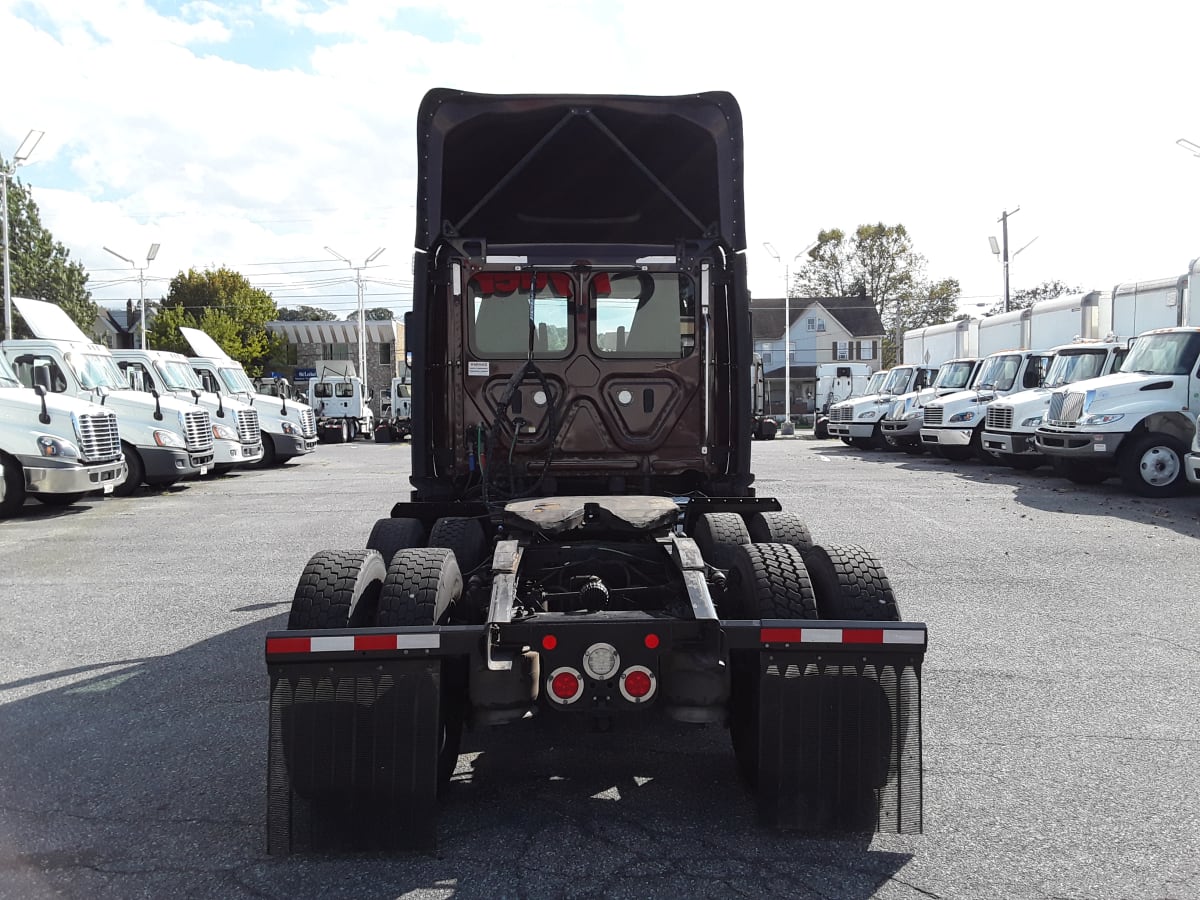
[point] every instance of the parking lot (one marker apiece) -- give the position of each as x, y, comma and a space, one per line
1062, 745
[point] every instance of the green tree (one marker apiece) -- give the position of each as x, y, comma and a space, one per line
305, 314
1024, 299
373, 313
224, 305
41, 266
878, 262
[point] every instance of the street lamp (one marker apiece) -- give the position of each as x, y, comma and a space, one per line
7, 172
996, 249
141, 270
787, 323
362, 328
1190, 146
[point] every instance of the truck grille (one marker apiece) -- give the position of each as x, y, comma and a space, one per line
247, 424
197, 430
99, 440
840, 414
933, 415
1065, 407
308, 423
1000, 417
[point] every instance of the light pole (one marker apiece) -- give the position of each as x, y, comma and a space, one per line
787, 324
996, 249
1190, 146
362, 328
7, 172
141, 270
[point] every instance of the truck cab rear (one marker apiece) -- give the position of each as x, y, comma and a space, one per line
583, 538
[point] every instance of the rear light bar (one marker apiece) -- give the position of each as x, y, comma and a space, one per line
343, 643
818, 635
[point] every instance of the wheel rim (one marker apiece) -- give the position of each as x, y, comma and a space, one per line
1159, 466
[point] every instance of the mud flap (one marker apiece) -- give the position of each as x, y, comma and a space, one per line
353, 756
839, 742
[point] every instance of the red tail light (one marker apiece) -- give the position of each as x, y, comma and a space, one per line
566, 685
638, 684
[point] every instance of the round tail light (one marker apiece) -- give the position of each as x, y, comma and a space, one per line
566, 685
637, 684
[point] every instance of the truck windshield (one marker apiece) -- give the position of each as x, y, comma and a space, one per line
178, 376
96, 370
8, 377
999, 372
897, 380
876, 383
954, 375
235, 380
1075, 365
642, 314
504, 326
1173, 353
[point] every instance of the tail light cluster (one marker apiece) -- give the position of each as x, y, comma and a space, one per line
601, 663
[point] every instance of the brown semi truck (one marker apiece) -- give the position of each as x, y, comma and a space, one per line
583, 538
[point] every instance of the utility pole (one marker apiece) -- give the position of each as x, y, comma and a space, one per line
1003, 220
6, 173
362, 327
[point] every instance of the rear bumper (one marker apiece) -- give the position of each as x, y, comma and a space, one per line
1078, 445
72, 479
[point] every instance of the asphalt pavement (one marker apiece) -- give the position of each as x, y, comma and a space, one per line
1062, 744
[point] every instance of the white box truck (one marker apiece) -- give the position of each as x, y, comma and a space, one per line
162, 439
53, 448
857, 421
237, 438
901, 425
289, 429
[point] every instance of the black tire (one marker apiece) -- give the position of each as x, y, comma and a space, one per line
779, 528
1078, 472
422, 586
847, 441
270, 458
850, 584
465, 537
12, 486
58, 499
1152, 465
390, 535
135, 475
821, 429
718, 535
771, 582
338, 589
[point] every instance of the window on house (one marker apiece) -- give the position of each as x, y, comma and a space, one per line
841, 349
812, 324
387, 355
335, 351
867, 350
820, 324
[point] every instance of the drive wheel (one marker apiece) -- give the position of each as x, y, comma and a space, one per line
391, 535
12, 486
338, 589
134, 476
1152, 465
779, 528
772, 583
850, 584
718, 535
465, 537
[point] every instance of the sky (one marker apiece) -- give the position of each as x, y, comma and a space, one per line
255, 134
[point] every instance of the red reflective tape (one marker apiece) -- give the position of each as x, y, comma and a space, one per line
862, 636
779, 635
374, 642
288, 645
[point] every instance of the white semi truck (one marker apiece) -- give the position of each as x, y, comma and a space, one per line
53, 448
1011, 423
163, 440
857, 421
289, 429
342, 405
952, 425
237, 438
901, 425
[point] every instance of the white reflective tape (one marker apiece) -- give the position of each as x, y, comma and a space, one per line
418, 641
329, 644
821, 636
904, 637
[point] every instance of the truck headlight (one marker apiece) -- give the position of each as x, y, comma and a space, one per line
914, 414
962, 417
224, 432
1101, 419
168, 439
868, 414
289, 428
1032, 422
56, 447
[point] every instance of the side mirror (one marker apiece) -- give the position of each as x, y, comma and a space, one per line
41, 377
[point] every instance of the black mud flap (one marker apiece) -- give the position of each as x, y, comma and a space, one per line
353, 756
839, 741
